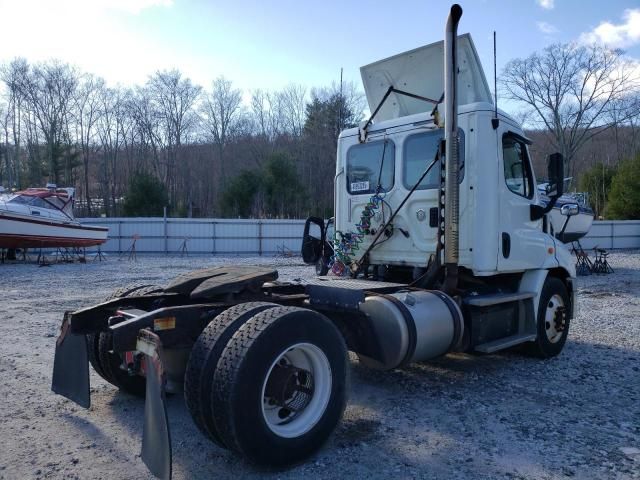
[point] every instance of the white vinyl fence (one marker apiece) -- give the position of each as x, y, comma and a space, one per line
611, 234
267, 237
201, 235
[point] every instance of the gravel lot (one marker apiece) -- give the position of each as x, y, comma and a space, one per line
491, 416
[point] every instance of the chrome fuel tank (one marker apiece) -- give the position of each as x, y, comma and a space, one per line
412, 326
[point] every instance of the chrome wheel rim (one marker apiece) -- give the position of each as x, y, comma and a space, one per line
554, 318
296, 390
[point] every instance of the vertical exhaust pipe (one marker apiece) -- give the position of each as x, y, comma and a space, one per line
452, 161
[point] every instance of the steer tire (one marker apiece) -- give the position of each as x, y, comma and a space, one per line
104, 361
263, 427
554, 292
203, 359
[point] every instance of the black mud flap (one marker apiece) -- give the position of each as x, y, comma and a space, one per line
156, 439
312, 245
71, 366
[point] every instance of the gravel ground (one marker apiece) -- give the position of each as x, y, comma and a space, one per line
482, 416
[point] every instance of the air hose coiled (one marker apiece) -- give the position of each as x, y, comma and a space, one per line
345, 245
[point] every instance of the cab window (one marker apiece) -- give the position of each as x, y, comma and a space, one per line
370, 164
419, 151
517, 169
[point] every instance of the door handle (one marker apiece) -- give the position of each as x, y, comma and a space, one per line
506, 245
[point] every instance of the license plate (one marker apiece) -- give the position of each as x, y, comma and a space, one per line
359, 186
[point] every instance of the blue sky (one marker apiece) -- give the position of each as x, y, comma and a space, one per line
268, 45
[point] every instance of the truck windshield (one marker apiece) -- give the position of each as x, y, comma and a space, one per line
363, 167
419, 152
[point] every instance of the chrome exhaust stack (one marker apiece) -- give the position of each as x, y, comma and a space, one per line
452, 161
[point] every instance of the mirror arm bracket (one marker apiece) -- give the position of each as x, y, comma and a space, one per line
537, 211
555, 171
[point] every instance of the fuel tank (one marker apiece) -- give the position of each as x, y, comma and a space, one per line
412, 326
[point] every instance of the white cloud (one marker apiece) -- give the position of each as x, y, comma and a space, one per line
619, 35
547, 4
88, 33
547, 28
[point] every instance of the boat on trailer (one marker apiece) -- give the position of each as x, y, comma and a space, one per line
569, 228
43, 218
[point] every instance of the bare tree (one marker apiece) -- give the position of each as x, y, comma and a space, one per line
146, 131
570, 90
5, 163
48, 90
622, 116
280, 112
293, 102
12, 75
87, 106
174, 99
267, 114
222, 112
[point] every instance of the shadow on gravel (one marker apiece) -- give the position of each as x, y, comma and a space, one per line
490, 415
466, 416
93, 431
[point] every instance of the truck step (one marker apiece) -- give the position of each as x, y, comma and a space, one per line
506, 342
497, 298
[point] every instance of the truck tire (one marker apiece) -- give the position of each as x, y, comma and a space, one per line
104, 361
93, 339
203, 359
93, 343
280, 386
553, 319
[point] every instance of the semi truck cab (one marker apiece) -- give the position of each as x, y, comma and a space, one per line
497, 191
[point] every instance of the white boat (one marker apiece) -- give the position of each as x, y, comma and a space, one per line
43, 218
568, 229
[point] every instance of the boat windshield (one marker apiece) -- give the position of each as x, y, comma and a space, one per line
52, 203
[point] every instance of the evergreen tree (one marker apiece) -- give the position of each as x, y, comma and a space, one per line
284, 194
239, 198
596, 181
624, 198
272, 191
145, 197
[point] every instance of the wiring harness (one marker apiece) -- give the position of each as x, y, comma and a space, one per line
345, 245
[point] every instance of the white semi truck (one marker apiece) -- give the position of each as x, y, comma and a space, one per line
440, 244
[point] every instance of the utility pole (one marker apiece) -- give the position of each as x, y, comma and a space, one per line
341, 104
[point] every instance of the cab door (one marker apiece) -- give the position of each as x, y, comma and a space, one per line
522, 243
312, 240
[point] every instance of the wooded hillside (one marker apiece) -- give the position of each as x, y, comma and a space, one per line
218, 151
67, 127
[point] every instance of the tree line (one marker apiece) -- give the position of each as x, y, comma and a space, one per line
218, 151
68, 127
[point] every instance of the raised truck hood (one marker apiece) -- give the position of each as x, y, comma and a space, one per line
421, 72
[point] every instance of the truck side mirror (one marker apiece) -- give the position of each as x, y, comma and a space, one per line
555, 187
555, 172
569, 209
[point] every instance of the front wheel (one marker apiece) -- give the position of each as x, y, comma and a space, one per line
281, 386
553, 319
